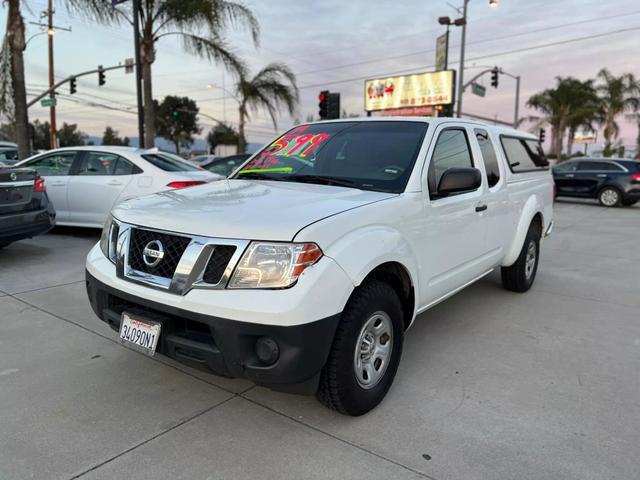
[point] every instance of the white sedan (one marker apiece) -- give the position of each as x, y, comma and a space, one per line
84, 183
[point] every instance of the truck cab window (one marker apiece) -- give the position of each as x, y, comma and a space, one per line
451, 151
489, 156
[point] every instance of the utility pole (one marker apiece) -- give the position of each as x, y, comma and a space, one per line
461, 71
52, 109
136, 43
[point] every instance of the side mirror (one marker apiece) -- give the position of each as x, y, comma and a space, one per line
459, 180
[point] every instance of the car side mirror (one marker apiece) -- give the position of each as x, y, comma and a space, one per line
459, 180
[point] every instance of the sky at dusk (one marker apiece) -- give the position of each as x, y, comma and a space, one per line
336, 45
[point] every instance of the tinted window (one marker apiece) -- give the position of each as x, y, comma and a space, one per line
125, 167
489, 157
377, 155
97, 163
598, 166
565, 167
452, 150
169, 163
523, 154
53, 165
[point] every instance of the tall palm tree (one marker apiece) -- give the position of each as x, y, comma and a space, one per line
585, 109
199, 23
556, 104
271, 88
14, 93
618, 95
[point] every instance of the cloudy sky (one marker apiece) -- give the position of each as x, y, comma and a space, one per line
335, 44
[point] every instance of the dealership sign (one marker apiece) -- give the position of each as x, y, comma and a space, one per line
587, 136
416, 90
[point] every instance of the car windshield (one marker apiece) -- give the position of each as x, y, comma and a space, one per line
169, 163
368, 155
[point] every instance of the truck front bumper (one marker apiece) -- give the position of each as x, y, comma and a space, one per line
223, 346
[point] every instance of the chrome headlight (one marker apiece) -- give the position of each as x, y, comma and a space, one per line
109, 238
273, 265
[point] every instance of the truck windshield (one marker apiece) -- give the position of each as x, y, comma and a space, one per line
368, 155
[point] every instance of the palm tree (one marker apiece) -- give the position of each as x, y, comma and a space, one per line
271, 88
618, 97
199, 23
14, 93
585, 109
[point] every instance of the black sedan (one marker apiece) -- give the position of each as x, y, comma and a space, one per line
25, 210
612, 182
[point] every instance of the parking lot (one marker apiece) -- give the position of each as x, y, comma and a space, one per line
492, 384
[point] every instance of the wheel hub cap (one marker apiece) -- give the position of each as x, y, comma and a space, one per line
373, 350
609, 197
530, 260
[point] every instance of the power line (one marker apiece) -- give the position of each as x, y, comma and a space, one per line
491, 55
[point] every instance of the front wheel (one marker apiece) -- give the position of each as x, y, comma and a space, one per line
366, 351
609, 197
520, 276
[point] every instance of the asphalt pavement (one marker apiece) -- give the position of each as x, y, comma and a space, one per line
492, 384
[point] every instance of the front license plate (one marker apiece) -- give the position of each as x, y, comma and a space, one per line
139, 334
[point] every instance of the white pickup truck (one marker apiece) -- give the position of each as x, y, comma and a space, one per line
304, 270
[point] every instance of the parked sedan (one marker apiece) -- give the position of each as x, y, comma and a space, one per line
613, 182
25, 210
86, 182
225, 165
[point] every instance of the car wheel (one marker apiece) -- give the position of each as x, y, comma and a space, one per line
520, 276
366, 351
609, 197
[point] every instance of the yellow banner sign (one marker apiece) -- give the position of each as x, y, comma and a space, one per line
420, 89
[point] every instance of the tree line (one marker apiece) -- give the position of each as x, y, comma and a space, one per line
574, 105
201, 24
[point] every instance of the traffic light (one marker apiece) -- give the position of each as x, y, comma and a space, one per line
333, 106
541, 135
72, 85
101, 76
323, 103
494, 77
174, 114
445, 110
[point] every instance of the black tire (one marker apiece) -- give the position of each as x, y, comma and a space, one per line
519, 277
610, 197
339, 387
628, 203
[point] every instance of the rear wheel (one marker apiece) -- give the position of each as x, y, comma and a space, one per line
520, 276
609, 197
366, 351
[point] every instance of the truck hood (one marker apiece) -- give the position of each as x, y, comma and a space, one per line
243, 209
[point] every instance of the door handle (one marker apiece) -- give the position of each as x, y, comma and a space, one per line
481, 208
602, 175
114, 183
57, 184
569, 175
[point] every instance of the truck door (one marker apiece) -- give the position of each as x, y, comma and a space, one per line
454, 247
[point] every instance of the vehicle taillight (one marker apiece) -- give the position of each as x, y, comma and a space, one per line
38, 185
185, 183
635, 177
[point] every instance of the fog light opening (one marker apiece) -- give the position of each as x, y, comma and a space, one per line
267, 350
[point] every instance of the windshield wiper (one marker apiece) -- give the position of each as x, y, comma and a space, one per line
321, 180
